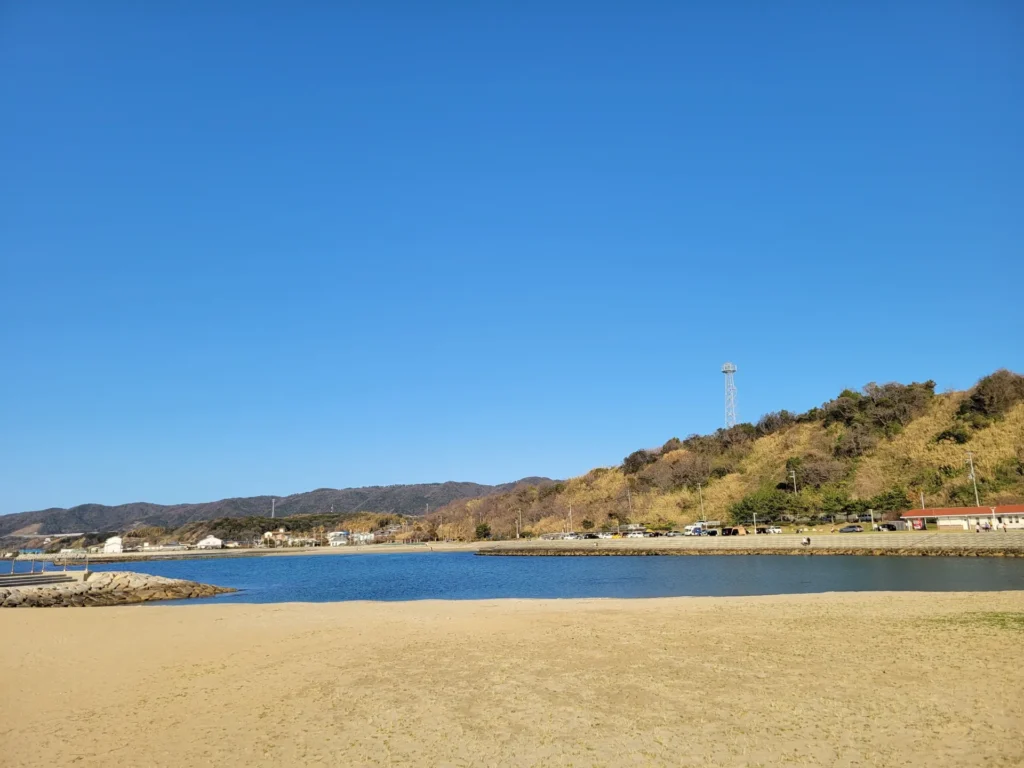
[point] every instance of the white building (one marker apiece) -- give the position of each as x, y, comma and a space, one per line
1010, 516
338, 538
210, 542
362, 538
113, 546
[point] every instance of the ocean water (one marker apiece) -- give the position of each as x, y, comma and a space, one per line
464, 576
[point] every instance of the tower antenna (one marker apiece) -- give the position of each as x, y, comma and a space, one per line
730, 394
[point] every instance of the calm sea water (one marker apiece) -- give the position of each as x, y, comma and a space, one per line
464, 576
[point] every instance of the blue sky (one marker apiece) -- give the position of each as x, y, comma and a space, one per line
256, 248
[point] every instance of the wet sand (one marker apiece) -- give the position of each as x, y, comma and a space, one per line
893, 679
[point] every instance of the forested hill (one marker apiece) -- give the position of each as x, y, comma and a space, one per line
401, 499
877, 448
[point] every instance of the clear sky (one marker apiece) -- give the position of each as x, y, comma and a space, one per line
253, 248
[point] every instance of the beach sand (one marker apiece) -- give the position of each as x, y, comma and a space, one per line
881, 679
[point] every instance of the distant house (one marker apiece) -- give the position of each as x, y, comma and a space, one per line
113, 546
968, 518
362, 538
338, 538
210, 542
232, 544
276, 538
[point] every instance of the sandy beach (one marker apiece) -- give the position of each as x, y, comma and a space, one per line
836, 679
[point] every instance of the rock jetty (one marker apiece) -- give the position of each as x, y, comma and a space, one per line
109, 588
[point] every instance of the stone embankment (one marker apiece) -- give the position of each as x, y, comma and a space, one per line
110, 588
651, 552
900, 544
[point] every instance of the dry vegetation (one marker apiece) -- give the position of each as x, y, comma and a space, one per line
878, 448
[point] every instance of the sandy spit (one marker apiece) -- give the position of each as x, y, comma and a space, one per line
879, 679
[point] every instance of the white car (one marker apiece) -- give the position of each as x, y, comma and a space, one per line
774, 530
605, 535
635, 535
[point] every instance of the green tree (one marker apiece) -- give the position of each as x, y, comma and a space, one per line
483, 531
587, 524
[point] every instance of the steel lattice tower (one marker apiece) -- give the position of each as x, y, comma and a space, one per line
730, 395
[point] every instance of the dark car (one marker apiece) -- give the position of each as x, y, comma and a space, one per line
852, 529
887, 527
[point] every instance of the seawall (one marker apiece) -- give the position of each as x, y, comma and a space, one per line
916, 544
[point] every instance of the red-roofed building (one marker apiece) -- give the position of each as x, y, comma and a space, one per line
965, 518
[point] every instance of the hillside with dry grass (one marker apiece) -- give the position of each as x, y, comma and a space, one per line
878, 448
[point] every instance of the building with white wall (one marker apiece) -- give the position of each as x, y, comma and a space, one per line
969, 518
113, 546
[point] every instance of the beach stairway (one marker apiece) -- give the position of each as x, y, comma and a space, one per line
35, 579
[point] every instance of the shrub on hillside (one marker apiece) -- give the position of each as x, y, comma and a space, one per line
994, 395
855, 441
958, 434
774, 422
885, 408
816, 470
637, 460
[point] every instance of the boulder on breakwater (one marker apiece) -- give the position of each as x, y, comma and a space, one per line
109, 588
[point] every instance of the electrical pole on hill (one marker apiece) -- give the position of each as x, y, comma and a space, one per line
273, 508
974, 479
729, 370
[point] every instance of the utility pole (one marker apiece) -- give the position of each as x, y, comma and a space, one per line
755, 523
700, 493
273, 508
974, 479
792, 474
922, 499
570, 518
629, 501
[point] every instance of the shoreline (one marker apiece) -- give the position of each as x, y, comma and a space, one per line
895, 544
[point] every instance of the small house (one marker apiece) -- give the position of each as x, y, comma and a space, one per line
210, 542
113, 546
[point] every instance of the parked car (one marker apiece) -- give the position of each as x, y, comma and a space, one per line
590, 536
710, 532
851, 529
774, 529
673, 533
888, 527
635, 535
605, 535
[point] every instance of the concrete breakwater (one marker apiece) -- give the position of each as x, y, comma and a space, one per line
678, 552
905, 544
110, 588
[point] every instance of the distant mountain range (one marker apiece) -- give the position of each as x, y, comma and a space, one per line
402, 499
